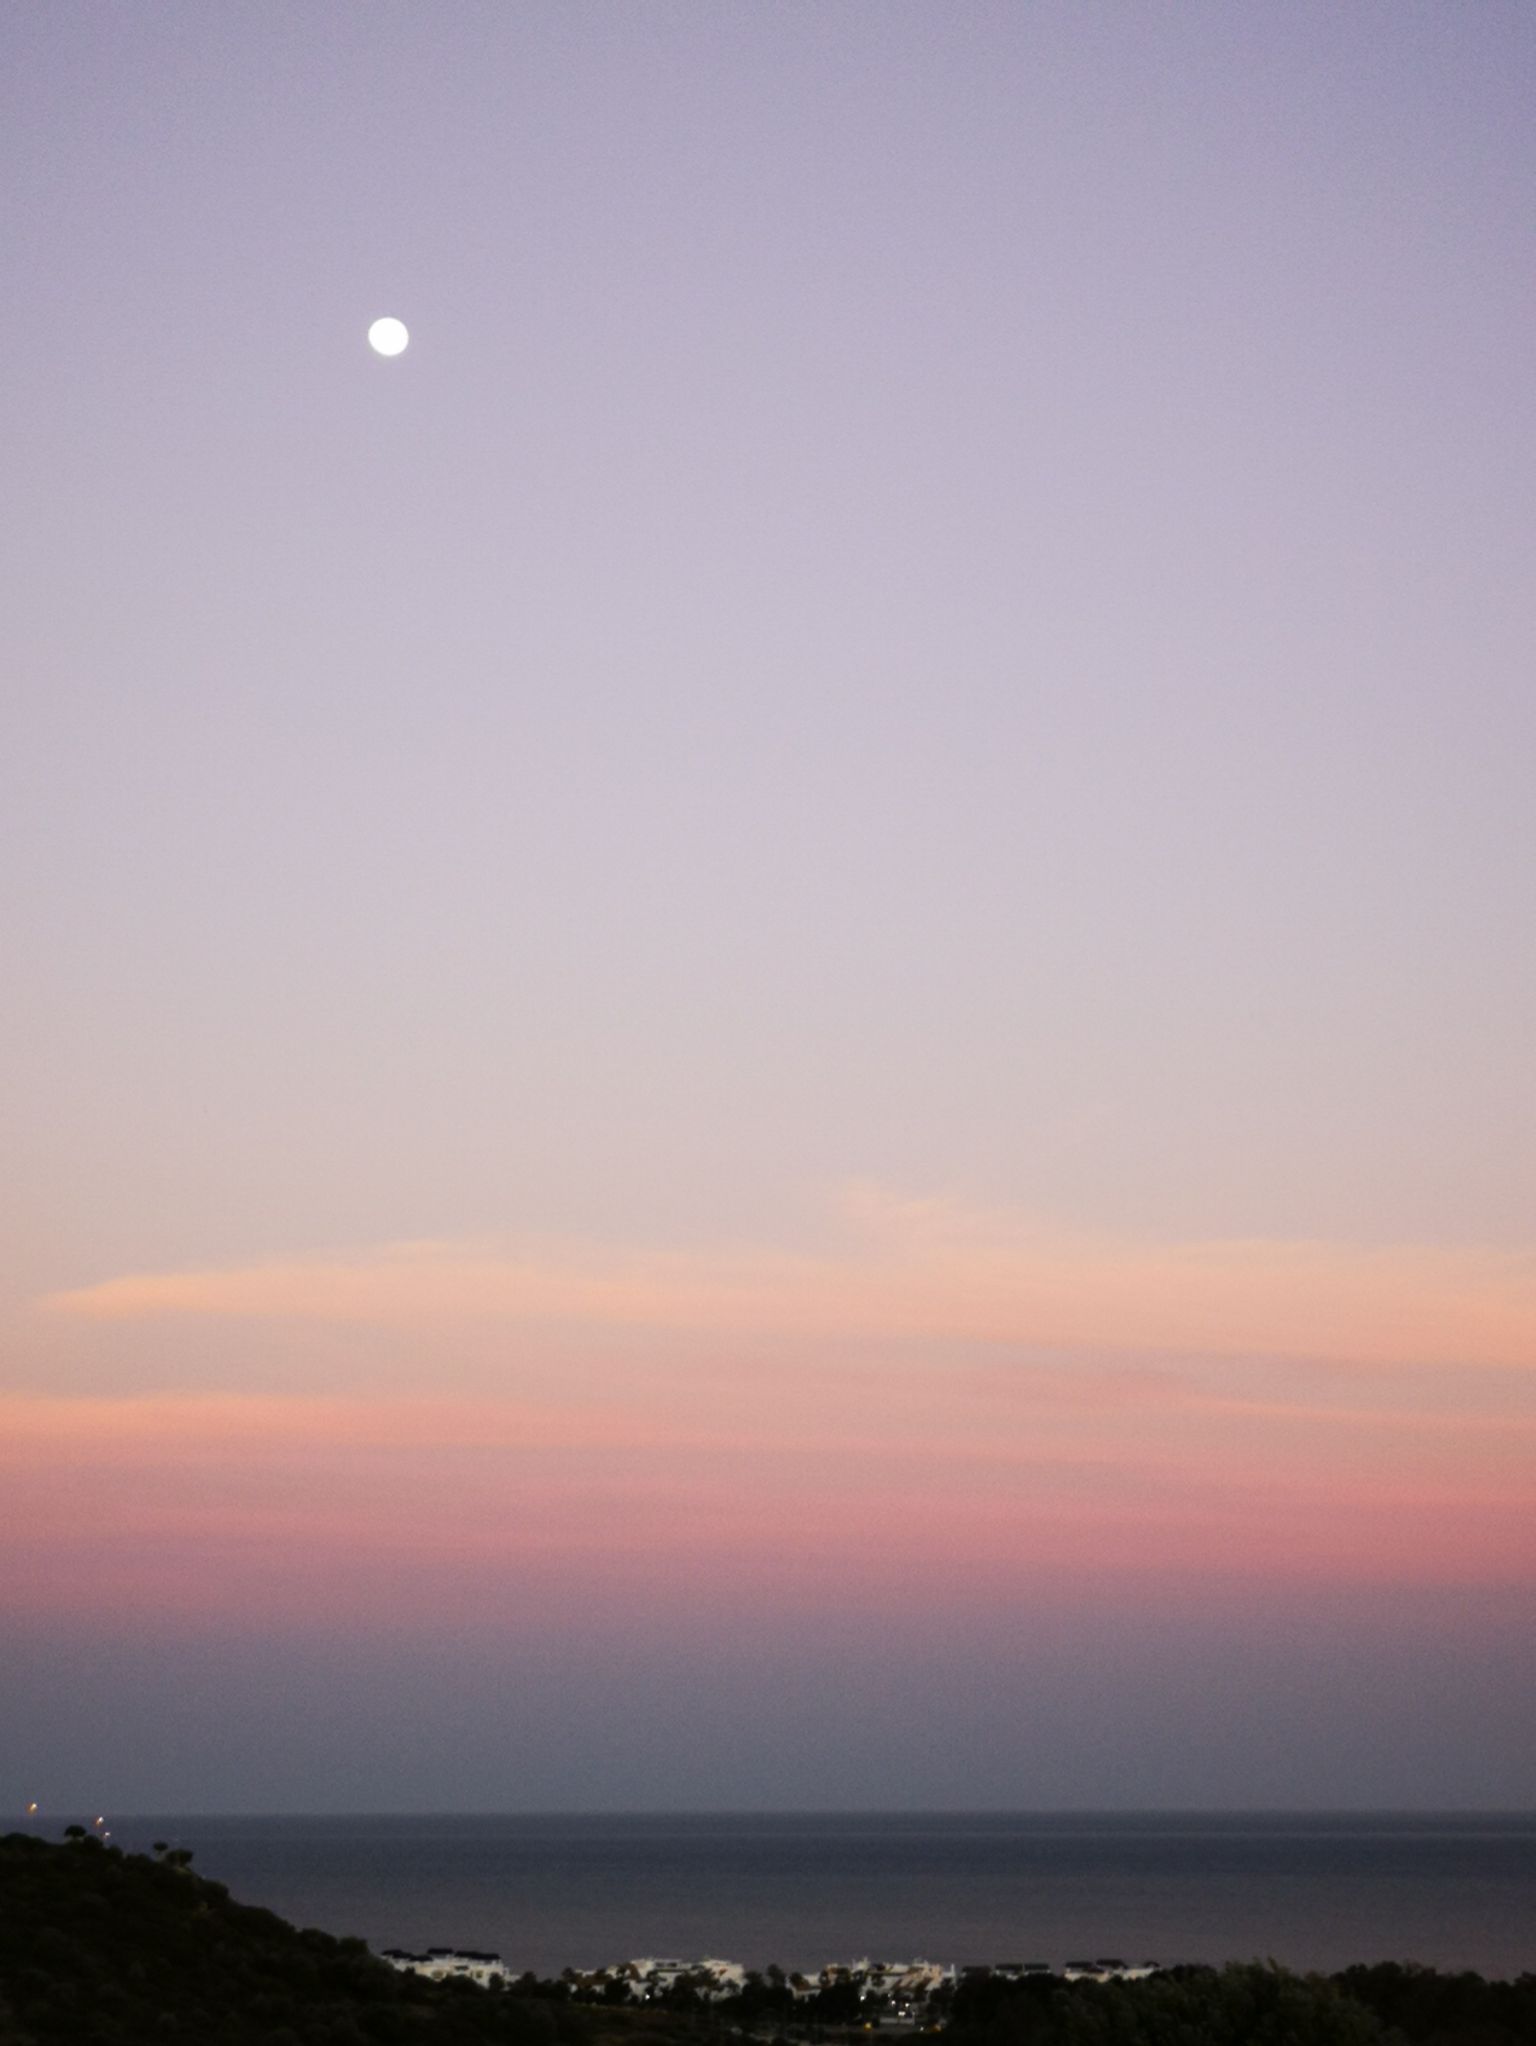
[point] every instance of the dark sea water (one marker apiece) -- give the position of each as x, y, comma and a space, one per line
1313, 1891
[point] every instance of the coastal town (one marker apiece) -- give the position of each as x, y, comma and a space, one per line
879, 1994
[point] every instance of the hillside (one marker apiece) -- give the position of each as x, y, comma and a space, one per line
103, 1948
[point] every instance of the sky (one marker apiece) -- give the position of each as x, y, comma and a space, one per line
769, 1025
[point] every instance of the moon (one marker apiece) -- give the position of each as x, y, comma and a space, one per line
388, 337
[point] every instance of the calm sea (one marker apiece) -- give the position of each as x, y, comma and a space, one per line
1316, 1891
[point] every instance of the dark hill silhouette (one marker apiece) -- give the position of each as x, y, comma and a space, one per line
103, 1948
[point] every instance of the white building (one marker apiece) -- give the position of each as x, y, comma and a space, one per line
1109, 1971
451, 1964
713, 1978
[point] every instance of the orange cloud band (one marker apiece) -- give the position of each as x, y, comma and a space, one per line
915, 1270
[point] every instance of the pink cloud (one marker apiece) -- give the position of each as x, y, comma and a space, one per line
906, 1271
937, 1406
380, 1510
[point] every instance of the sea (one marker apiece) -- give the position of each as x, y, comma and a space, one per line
1315, 1891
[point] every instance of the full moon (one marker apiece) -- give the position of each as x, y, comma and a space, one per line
388, 337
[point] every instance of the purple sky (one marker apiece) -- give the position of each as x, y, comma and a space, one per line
777, 1014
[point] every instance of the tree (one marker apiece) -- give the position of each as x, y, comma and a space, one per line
1247, 2005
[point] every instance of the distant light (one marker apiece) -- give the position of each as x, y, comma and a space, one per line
31, 1809
388, 337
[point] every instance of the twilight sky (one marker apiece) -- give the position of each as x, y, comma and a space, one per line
771, 1027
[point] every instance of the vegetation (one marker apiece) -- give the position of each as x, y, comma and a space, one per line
1251, 2005
103, 1948
1254, 2005
1427, 2008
